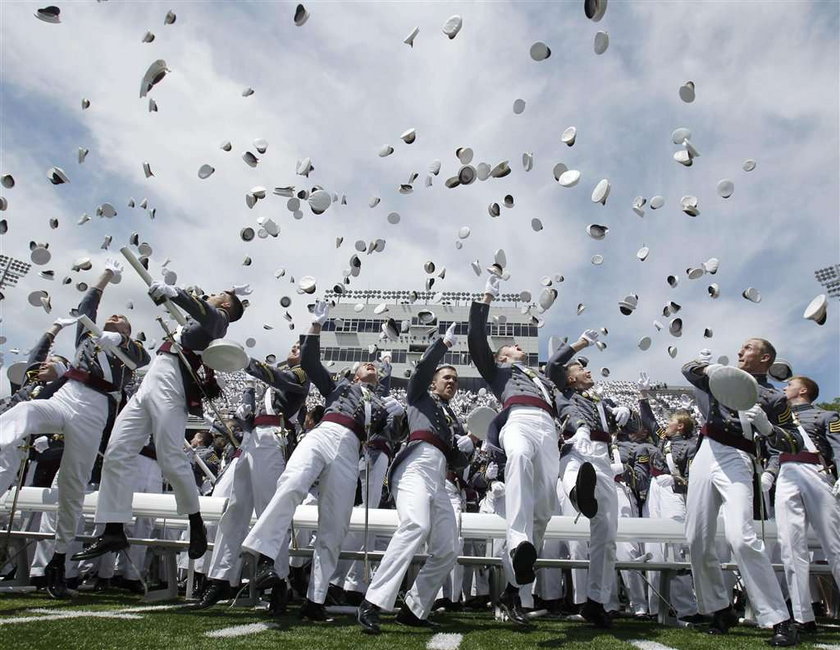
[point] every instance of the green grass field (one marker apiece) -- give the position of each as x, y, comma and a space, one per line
101, 621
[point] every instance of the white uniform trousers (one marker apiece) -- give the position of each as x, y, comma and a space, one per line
529, 440
453, 585
10, 460
80, 413
425, 515
664, 503
350, 574
603, 527
723, 476
628, 552
44, 548
329, 454
158, 407
549, 585
255, 476
803, 498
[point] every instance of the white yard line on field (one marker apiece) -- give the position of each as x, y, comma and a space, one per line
650, 645
240, 630
827, 646
445, 642
55, 614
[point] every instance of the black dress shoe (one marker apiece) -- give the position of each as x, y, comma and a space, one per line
406, 617
523, 558
298, 580
95, 584
103, 544
56, 587
594, 613
314, 612
279, 599
214, 592
784, 634
807, 628
198, 541
722, 620
266, 577
368, 617
585, 500
511, 605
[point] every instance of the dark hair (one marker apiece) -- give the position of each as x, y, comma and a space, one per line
206, 438
444, 367
812, 389
236, 308
316, 413
767, 348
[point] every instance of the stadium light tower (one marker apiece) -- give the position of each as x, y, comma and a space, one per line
829, 277
12, 271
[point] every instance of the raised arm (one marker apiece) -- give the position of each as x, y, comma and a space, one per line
310, 361
419, 383
214, 321
555, 369
480, 353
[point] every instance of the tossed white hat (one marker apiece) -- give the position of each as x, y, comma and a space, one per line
319, 201
34, 297
748, 165
594, 9
597, 260
780, 370
250, 159
689, 205
580, 308
559, 170
680, 135
601, 192
463, 232
301, 15
597, 231
40, 255
638, 205
452, 26
672, 351
711, 265
569, 178
261, 145
752, 294
494, 209
676, 327
426, 317
734, 388
307, 284
304, 167
644, 343
714, 290
81, 154
7, 181
547, 297
393, 218
687, 92
518, 106
501, 170
479, 421
466, 175
56, 176
642, 253
708, 333
683, 157
409, 136
817, 309
657, 202
568, 136
527, 161
695, 272
169, 18
381, 308
601, 42
409, 40
154, 75
49, 14
536, 224
540, 51
391, 330
226, 145
224, 355
725, 188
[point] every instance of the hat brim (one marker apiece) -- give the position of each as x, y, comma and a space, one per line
734, 388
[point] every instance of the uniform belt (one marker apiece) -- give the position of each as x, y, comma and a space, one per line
190, 356
529, 400
91, 381
619, 478
380, 445
346, 421
427, 436
810, 457
149, 452
727, 439
268, 421
599, 436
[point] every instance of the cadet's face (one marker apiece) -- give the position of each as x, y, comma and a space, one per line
793, 389
752, 358
445, 383
367, 373
579, 377
117, 323
513, 353
294, 355
673, 427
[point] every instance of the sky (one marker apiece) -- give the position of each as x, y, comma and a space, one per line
344, 85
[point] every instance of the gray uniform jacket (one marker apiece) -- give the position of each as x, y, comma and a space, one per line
290, 384
783, 438
823, 427
430, 414
344, 398
205, 323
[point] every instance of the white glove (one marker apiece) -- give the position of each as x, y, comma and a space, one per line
449, 337
320, 312
393, 406
665, 480
242, 289
492, 286
705, 355
617, 468
465, 445
835, 490
581, 441
160, 291
497, 489
243, 411
64, 322
41, 444
108, 340
385, 361
767, 480
644, 381
621, 415
590, 336
492, 471
116, 269
758, 419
